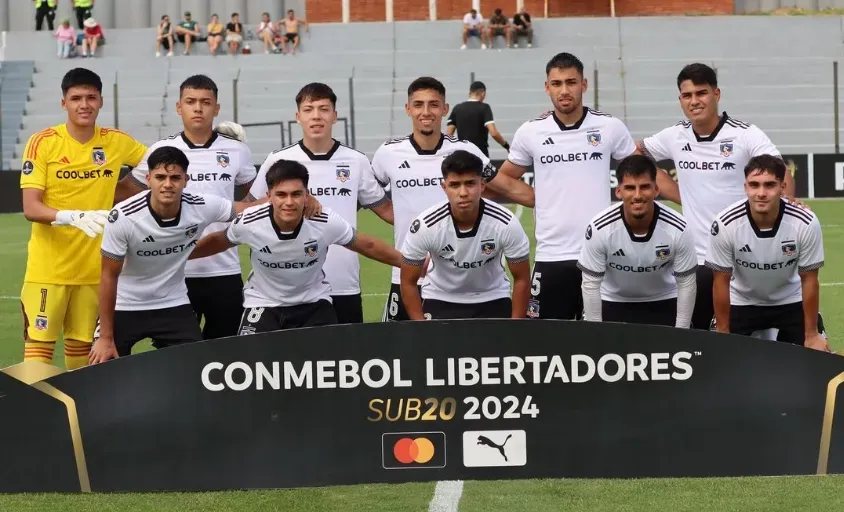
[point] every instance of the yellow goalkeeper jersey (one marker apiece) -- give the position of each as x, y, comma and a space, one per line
73, 176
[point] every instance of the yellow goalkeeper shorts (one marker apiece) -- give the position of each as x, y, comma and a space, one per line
52, 309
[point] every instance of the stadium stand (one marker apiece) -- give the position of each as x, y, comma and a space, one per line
766, 79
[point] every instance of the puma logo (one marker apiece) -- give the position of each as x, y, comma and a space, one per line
485, 441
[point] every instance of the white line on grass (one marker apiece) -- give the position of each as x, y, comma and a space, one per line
446, 496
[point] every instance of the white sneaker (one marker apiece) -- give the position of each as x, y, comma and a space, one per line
530, 45
483, 47
157, 54
463, 47
170, 53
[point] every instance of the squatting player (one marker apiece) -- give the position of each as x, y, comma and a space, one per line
69, 176
287, 288
570, 148
467, 237
411, 165
765, 254
710, 151
220, 165
341, 178
145, 247
638, 259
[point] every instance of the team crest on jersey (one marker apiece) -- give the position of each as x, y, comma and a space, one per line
714, 229
311, 249
533, 308
343, 173
28, 167
191, 231
41, 322
593, 138
98, 156
488, 246
589, 232
789, 248
223, 159
113, 215
727, 148
663, 252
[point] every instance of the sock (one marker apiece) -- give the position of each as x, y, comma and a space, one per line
76, 354
39, 351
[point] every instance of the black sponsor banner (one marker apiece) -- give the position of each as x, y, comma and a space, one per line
829, 175
474, 399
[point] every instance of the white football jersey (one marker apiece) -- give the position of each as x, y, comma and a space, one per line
339, 179
287, 267
571, 167
765, 263
467, 267
216, 168
710, 170
638, 267
154, 251
415, 178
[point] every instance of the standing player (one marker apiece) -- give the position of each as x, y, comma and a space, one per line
145, 248
287, 288
412, 166
341, 178
69, 175
638, 260
467, 237
220, 165
570, 149
710, 150
765, 254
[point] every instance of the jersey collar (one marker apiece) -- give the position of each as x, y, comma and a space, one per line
285, 236
651, 227
207, 145
158, 220
771, 233
711, 136
575, 126
474, 230
314, 156
421, 151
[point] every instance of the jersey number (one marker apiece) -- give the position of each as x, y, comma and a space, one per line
254, 315
534, 285
43, 300
394, 304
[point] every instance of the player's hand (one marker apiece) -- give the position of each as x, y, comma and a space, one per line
816, 341
312, 207
796, 202
90, 222
232, 129
102, 350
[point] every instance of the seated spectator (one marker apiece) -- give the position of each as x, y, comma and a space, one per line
268, 33
499, 25
291, 31
164, 37
65, 39
234, 34
215, 34
473, 26
92, 37
522, 27
187, 31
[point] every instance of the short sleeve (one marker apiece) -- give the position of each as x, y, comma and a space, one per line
236, 232
370, 193
623, 144
757, 143
657, 145
811, 255
246, 174
488, 114
593, 254
379, 167
415, 248
34, 162
719, 255
450, 120
520, 149
258, 190
685, 258
135, 151
339, 231
116, 234
220, 208
516, 245
141, 171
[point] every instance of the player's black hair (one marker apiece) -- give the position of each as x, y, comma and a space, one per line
699, 74
477, 87
564, 61
164, 16
498, 12
426, 83
767, 163
285, 170
316, 91
462, 162
167, 156
81, 77
199, 83
635, 166
235, 14
266, 14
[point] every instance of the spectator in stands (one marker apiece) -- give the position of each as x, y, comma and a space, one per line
83, 9
234, 34
499, 25
65, 39
92, 37
473, 26
291, 31
187, 31
473, 121
268, 33
45, 9
215, 31
164, 37
523, 27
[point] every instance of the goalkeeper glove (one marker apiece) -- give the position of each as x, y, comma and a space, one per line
232, 129
89, 222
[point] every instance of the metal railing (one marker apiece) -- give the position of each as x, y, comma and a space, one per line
279, 123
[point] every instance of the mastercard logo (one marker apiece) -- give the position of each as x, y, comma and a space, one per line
413, 450
408, 450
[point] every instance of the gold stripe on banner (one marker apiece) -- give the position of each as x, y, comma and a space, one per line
32, 373
826, 432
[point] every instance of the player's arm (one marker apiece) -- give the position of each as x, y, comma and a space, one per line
719, 258
516, 248
721, 299
414, 261
593, 265
211, 244
507, 181
810, 260
136, 158
451, 126
374, 249
371, 195
489, 123
34, 210
113, 250
685, 273
34, 181
653, 148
